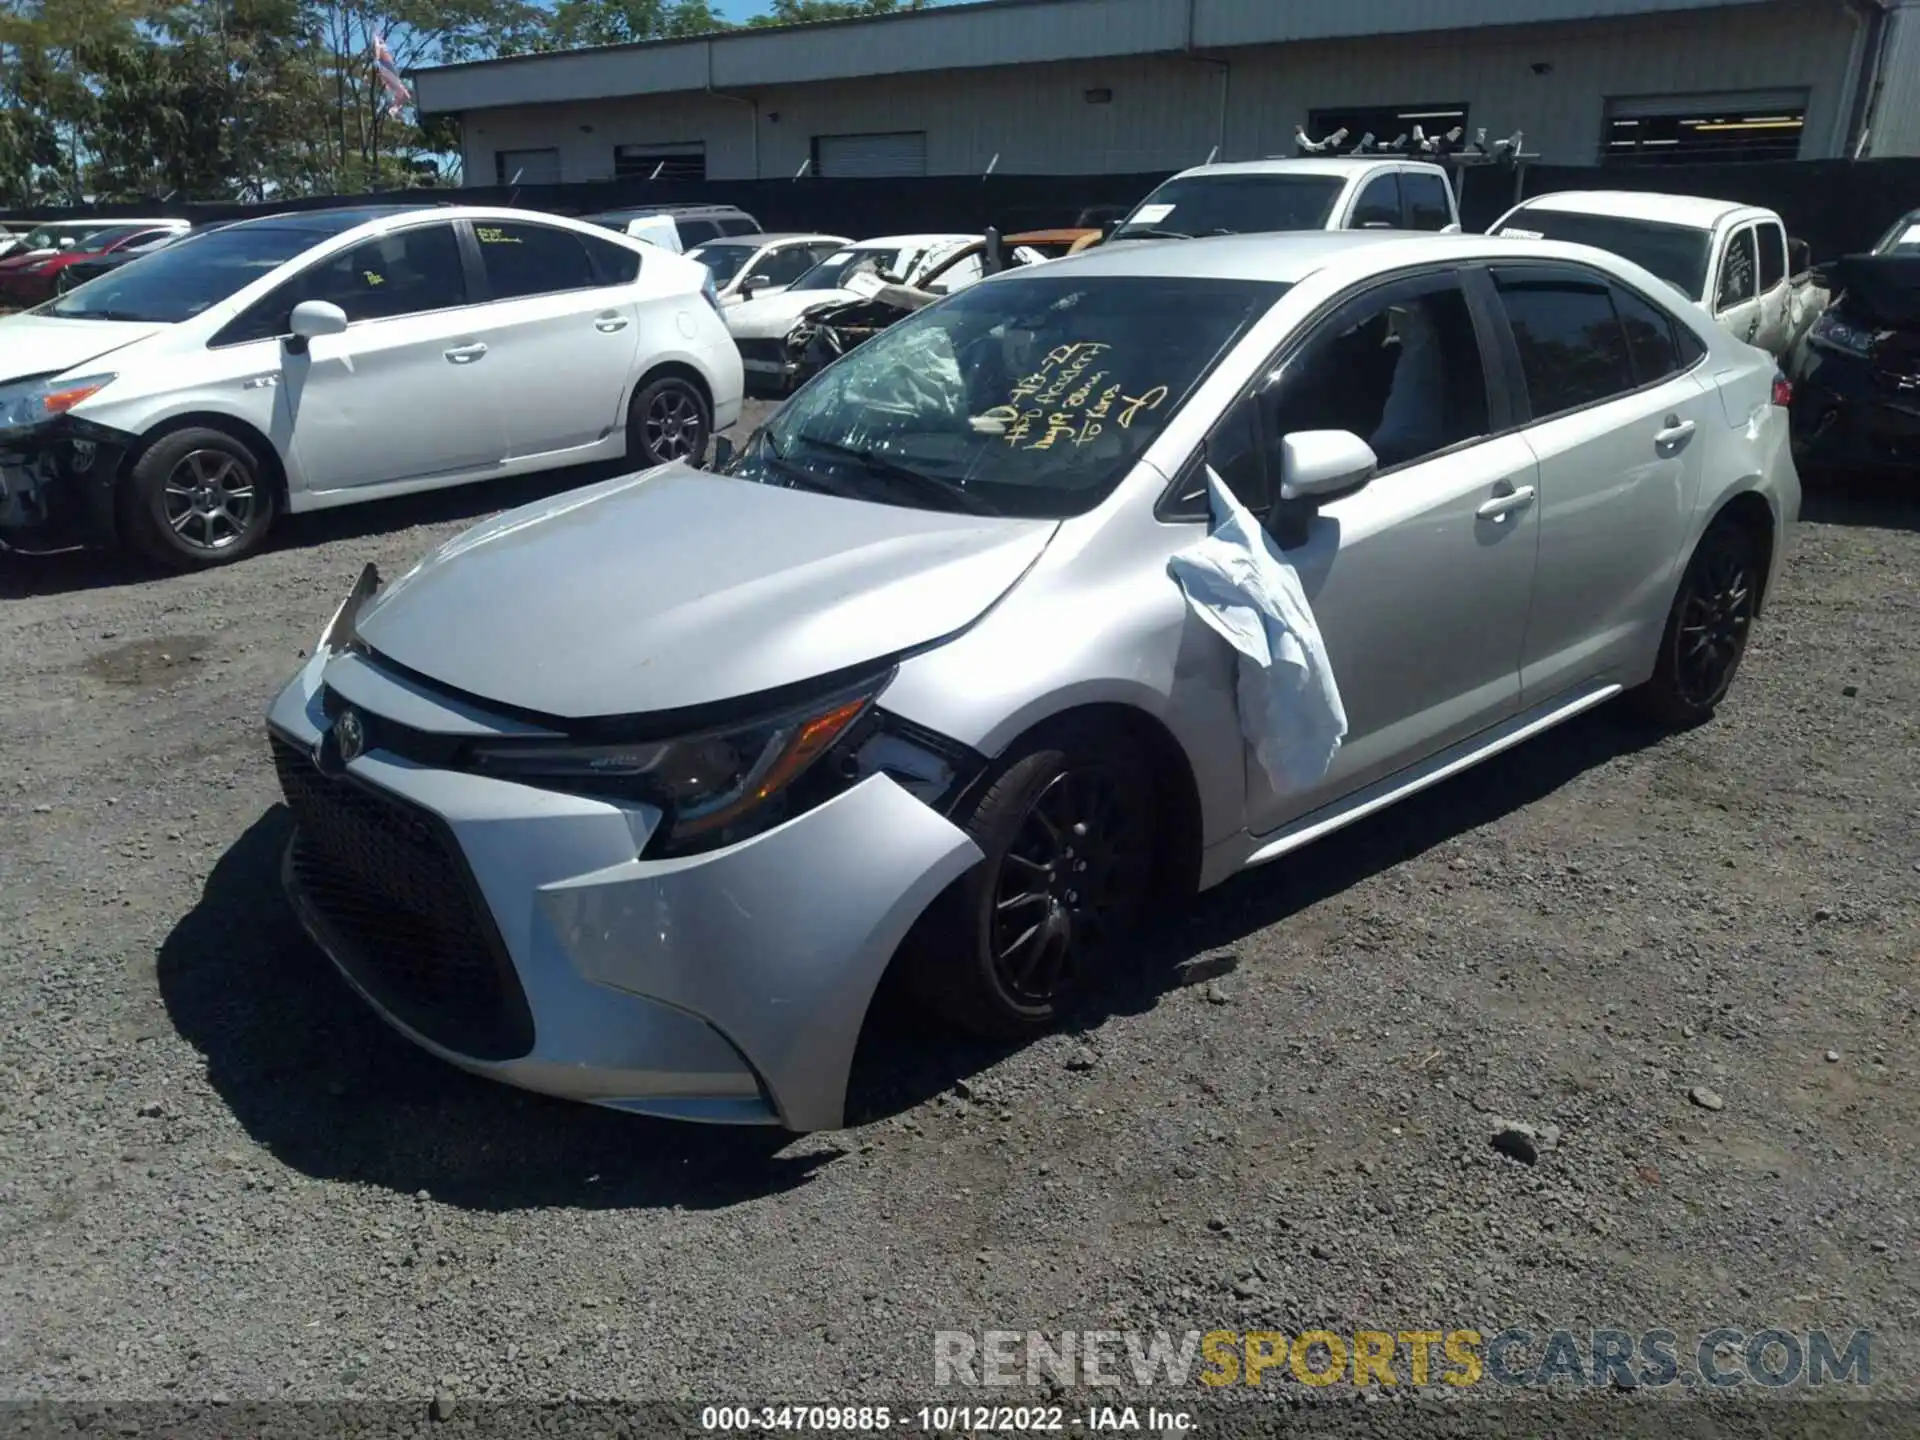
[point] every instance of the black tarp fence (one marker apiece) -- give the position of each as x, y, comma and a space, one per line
1836, 206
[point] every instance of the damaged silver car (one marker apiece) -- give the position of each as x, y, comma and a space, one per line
633, 795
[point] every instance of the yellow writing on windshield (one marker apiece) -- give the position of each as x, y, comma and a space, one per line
1067, 398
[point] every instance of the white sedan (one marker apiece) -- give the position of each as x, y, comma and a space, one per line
760, 326
179, 404
746, 266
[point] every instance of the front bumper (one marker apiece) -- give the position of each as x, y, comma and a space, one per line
57, 486
727, 987
1849, 414
767, 357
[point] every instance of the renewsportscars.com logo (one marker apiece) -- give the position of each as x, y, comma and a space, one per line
1721, 1358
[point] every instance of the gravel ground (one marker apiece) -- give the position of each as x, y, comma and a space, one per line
221, 1176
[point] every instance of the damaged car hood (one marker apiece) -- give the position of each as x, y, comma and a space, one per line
677, 588
770, 317
42, 345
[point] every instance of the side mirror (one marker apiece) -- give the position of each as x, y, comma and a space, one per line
1323, 464
68, 243
310, 320
1316, 466
723, 453
1799, 256
748, 286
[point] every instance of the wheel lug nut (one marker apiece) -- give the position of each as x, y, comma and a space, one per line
1080, 828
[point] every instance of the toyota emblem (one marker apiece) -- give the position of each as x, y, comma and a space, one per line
349, 734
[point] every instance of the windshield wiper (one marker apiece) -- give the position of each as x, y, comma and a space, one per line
125, 316
955, 495
799, 475
1151, 232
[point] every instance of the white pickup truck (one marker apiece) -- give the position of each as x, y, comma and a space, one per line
1344, 192
1735, 260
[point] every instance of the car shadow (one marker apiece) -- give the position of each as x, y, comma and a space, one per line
319, 1081
330, 1091
903, 1063
1874, 501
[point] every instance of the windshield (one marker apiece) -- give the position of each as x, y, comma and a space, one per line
177, 282
1233, 205
831, 273
723, 261
1676, 253
1029, 395
1903, 238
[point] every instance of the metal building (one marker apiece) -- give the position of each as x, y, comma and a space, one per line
1106, 86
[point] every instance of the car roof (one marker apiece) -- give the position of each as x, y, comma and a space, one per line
771, 237
636, 211
1341, 165
908, 242
333, 220
1291, 256
1696, 211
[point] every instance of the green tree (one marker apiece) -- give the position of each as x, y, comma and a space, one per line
578, 23
795, 12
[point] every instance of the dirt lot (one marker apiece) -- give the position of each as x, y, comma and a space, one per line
221, 1175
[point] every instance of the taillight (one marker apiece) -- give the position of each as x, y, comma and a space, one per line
1782, 391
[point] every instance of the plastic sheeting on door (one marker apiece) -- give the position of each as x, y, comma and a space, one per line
1238, 582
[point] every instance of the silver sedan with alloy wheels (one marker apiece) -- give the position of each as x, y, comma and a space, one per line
1071, 594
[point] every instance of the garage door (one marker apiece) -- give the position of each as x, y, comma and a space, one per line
870, 156
526, 167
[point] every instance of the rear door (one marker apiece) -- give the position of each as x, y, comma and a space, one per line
560, 331
1616, 417
1736, 285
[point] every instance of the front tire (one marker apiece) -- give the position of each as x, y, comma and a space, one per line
669, 420
1067, 827
197, 498
1707, 628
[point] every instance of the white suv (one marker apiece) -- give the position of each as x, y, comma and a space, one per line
1332, 192
180, 403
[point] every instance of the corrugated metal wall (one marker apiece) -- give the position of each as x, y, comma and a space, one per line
1166, 111
1895, 121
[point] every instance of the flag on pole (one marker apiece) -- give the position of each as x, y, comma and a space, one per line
389, 72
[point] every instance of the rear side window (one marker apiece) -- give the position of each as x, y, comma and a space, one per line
612, 264
1737, 271
1427, 201
1378, 206
739, 225
1651, 343
521, 260
1573, 351
1773, 255
696, 232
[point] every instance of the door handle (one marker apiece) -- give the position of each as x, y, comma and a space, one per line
464, 354
1500, 506
607, 324
1676, 433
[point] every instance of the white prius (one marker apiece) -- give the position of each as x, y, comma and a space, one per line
180, 403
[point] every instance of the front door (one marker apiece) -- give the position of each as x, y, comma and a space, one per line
404, 393
1619, 424
1420, 581
561, 338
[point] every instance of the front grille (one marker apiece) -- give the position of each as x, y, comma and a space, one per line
771, 351
406, 920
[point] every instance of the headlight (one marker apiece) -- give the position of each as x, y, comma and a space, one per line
712, 788
1840, 334
38, 401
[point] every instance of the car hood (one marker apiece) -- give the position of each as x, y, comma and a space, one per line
770, 317
677, 588
43, 345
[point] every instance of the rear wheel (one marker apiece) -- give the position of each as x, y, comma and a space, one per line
1707, 629
197, 498
1067, 829
669, 420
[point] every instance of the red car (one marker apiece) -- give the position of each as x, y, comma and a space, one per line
29, 278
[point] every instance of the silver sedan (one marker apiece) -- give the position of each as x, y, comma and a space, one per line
633, 795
